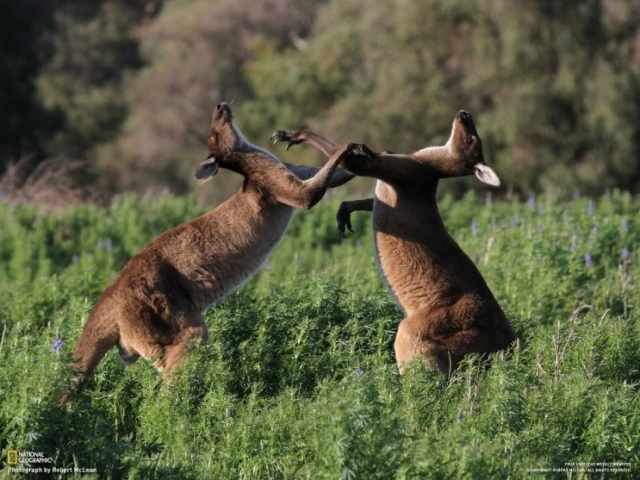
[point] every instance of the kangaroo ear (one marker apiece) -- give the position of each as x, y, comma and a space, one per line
487, 175
207, 169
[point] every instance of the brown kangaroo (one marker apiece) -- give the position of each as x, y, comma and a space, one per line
153, 307
449, 309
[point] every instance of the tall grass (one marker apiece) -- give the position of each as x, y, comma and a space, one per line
299, 380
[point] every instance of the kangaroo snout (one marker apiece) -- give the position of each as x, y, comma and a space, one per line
221, 112
463, 116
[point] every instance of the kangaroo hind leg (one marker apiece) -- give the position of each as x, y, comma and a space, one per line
413, 341
174, 353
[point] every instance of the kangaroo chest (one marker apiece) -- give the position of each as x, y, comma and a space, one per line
234, 243
417, 259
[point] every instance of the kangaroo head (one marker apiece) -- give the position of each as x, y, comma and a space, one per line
224, 139
466, 146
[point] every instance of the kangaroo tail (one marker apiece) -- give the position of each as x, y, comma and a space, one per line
99, 335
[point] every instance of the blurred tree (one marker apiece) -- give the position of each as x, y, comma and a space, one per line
560, 98
388, 73
21, 24
553, 86
92, 49
129, 85
61, 74
195, 52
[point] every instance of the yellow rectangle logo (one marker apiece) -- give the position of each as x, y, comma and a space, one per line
12, 457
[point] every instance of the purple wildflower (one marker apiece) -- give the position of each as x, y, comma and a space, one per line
487, 199
590, 208
532, 201
587, 260
109, 244
474, 226
625, 253
514, 222
74, 259
57, 344
359, 372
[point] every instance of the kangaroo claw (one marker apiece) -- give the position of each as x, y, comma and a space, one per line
289, 136
275, 137
344, 221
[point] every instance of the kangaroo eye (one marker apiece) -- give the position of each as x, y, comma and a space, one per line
469, 139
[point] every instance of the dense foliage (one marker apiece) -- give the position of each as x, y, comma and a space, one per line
299, 379
128, 87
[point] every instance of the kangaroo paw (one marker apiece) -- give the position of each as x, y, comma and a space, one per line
292, 137
359, 150
344, 220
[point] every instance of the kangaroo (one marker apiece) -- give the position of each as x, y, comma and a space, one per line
153, 307
449, 309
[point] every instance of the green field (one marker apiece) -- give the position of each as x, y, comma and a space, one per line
299, 378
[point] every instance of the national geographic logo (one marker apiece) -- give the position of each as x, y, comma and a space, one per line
12, 457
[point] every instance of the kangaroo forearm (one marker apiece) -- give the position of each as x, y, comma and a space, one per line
303, 172
296, 137
340, 177
390, 168
317, 186
364, 205
343, 216
305, 194
383, 166
323, 144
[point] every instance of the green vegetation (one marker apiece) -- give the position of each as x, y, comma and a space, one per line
299, 380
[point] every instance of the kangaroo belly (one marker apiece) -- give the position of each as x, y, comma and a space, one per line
407, 281
421, 264
419, 277
245, 257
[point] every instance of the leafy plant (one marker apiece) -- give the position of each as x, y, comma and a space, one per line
298, 379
